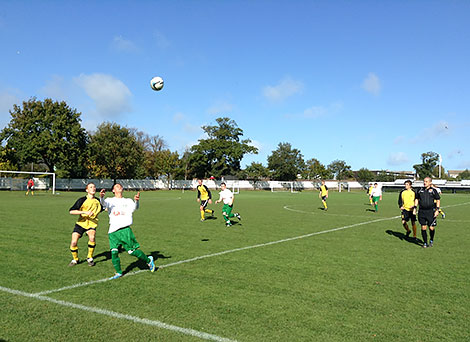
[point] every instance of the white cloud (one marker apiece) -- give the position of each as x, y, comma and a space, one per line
110, 95
125, 45
56, 88
372, 84
284, 89
397, 158
439, 130
317, 111
7, 100
220, 108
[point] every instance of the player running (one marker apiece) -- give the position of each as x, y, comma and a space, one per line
406, 203
88, 207
376, 196
323, 194
120, 211
369, 192
227, 196
204, 197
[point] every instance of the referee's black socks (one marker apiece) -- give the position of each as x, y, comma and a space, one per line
425, 236
431, 234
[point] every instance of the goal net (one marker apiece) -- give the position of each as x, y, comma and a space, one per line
8, 181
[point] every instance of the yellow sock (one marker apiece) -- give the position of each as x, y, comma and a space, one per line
208, 211
91, 249
74, 251
202, 214
324, 204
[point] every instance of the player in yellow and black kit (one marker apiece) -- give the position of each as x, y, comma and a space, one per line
88, 207
323, 194
204, 197
406, 203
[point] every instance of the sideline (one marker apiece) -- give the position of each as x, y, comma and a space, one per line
114, 314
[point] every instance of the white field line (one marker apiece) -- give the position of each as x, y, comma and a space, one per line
229, 251
113, 314
220, 253
314, 213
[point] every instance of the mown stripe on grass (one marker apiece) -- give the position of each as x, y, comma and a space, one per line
221, 253
158, 324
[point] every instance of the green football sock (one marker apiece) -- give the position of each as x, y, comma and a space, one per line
141, 255
116, 261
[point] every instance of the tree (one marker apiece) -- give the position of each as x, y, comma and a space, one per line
47, 132
256, 171
464, 175
166, 163
364, 175
385, 176
221, 153
114, 152
340, 169
285, 163
315, 170
429, 161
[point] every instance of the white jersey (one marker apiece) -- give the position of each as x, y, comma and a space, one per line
376, 192
226, 196
120, 212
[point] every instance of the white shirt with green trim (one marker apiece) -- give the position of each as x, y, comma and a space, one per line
120, 212
226, 196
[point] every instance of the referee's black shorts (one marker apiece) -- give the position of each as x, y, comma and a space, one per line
408, 215
426, 217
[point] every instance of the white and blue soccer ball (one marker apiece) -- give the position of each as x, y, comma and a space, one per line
156, 83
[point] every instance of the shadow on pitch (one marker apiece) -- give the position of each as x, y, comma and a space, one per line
402, 236
141, 265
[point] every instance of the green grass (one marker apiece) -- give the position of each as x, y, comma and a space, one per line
362, 283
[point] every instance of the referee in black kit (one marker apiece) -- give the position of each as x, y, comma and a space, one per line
428, 209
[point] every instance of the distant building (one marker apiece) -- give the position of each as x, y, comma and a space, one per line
454, 173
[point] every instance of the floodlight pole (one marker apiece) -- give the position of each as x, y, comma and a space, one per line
440, 164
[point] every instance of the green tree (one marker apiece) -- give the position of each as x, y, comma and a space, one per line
364, 175
256, 171
285, 163
221, 153
315, 170
167, 164
464, 175
385, 176
47, 132
429, 161
114, 152
340, 169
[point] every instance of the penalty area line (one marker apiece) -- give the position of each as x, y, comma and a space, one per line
221, 253
158, 324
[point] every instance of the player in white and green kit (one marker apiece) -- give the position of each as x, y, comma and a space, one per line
120, 211
227, 197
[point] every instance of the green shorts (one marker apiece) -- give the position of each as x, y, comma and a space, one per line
123, 237
375, 199
227, 210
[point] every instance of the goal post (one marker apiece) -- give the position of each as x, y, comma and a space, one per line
34, 173
278, 186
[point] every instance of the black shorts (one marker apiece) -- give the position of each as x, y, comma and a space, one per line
426, 217
204, 203
80, 230
408, 215
323, 198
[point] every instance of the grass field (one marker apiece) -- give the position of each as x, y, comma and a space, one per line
287, 272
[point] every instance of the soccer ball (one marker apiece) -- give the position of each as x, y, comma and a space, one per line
156, 83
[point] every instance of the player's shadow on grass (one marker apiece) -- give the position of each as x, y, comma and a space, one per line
373, 210
142, 265
402, 236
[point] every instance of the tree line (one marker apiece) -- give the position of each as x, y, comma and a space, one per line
48, 136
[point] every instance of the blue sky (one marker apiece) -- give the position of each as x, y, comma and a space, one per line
374, 83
